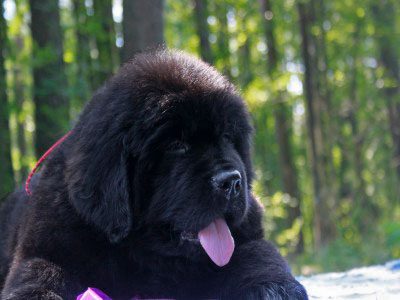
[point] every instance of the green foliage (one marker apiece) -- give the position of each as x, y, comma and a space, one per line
392, 237
381, 245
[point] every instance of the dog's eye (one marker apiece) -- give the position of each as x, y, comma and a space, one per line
178, 148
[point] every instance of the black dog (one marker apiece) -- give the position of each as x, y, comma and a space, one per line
149, 196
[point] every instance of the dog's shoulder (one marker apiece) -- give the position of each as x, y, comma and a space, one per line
12, 209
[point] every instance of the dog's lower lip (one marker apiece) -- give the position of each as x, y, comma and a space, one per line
189, 236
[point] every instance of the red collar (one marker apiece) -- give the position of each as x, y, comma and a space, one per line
39, 162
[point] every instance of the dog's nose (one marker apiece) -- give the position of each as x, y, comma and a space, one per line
229, 182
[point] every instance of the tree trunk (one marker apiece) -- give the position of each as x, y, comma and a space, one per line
287, 167
354, 107
223, 38
142, 25
329, 134
323, 213
49, 81
105, 40
244, 58
201, 14
19, 100
82, 54
385, 15
365, 211
245, 66
6, 170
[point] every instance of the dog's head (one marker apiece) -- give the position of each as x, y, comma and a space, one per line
166, 143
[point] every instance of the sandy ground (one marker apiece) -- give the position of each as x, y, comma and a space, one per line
381, 282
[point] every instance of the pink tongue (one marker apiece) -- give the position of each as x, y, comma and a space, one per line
217, 241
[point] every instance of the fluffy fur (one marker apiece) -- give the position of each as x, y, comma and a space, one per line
118, 204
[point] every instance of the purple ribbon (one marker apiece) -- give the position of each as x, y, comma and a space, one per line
96, 294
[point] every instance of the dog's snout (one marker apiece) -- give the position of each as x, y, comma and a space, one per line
229, 182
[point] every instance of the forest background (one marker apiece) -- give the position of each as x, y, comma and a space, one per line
321, 79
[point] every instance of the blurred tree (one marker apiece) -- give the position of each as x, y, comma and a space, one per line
287, 167
142, 25
51, 104
82, 50
6, 170
323, 214
201, 14
318, 13
245, 66
365, 211
388, 43
19, 100
105, 40
19, 96
223, 55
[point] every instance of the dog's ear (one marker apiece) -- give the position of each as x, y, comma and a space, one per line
97, 178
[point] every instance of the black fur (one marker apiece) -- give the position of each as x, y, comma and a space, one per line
112, 205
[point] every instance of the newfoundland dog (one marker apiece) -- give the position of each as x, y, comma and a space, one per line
149, 196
